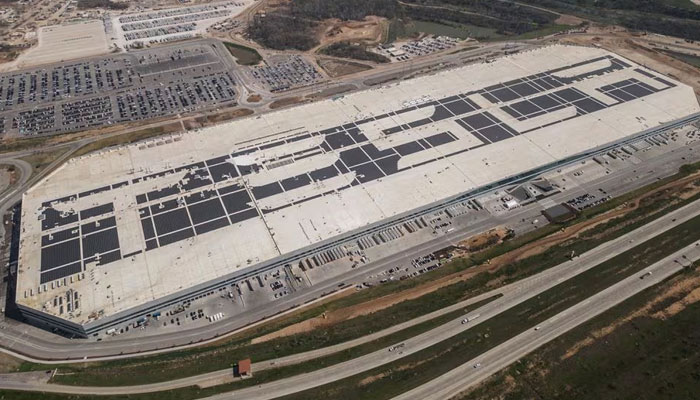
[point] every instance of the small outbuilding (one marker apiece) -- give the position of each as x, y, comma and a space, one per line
243, 368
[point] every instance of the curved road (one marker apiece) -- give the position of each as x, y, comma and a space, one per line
513, 295
39, 346
461, 378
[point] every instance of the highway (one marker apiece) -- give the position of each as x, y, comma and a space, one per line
513, 295
39, 346
494, 360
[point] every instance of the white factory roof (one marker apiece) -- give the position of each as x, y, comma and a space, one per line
452, 157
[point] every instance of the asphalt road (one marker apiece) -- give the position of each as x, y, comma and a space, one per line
40, 346
494, 360
513, 295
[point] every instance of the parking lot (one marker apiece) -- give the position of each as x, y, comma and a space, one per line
286, 73
162, 26
417, 48
101, 91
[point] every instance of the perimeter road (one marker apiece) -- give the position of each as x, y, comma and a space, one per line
32, 345
461, 378
513, 295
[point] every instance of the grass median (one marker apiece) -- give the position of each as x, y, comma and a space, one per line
179, 364
264, 376
402, 375
652, 335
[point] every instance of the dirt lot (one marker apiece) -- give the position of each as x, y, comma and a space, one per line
565, 19
335, 68
8, 363
8, 176
286, 102
368, 30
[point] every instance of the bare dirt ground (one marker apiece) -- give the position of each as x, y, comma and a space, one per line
8, 176
536, 247
254, 98
8, 363
335, 68
565, 19
286, 102
368, 30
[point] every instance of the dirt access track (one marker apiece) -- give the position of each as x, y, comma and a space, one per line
678, 189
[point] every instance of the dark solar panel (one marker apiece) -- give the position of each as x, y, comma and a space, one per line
103, 223
367, 172
495, 133
353, 157
171, 221
440, 139
637, 90
271, 189
295, 182
53, 218
164, 192
459, 107
59, 236
373, 152
200, 196
211, 226
206, 211
620, 94
243, 216
339, 140
478, 121
505, 95
235, 202
97, 210
113, 256
588, 105
545, 102
324, 173
147, 227
230, 189
525, 107
524, 89
164, 206
151, 244
408, 148
60, 273
223, 171
440, 113
420, 122
100, 242
569, 94
389, 165
176, 236
392, 130
60, 254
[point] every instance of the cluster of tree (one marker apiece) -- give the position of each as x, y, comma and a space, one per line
646, 6
349, 50
112, 5
442, 15
494, 10
659, 16
281, 30
345, 9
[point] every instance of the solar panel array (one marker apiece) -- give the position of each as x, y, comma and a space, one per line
198, 203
